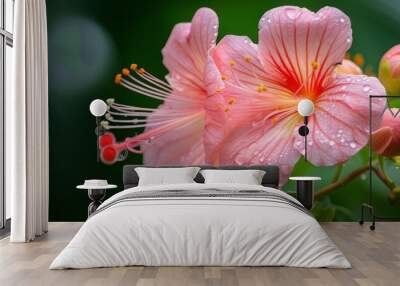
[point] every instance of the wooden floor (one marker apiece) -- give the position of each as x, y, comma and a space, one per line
375, 257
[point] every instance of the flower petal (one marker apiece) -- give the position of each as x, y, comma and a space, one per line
348, 67
178, 141
302, 46
216, 109
252, 92
382, 139
388, 144
237, 60
339, 127
186, 51
264, 142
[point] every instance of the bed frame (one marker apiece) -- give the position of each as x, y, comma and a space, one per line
271, 177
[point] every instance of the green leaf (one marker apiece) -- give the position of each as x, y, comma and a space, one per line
394, 102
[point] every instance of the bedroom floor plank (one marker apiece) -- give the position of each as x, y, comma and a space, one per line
375, 257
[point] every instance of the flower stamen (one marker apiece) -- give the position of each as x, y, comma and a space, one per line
248, 58
261, 88
133, 67
231, 63
231, 101
314, 65
118, 78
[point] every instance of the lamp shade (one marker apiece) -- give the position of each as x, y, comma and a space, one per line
98, 107
305, 107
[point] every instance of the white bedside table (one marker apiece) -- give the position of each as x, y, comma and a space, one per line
305, 190
96, 191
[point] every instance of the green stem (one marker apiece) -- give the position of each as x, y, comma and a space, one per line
329, 188
383, 170
350, 177
337, 174
381, 175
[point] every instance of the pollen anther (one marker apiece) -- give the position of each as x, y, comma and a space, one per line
314, 65
248, 58
232, 63
261, 88
141, 71
118, 78
224, 77
133, 67
125, 72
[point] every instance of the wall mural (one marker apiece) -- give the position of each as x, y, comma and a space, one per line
231, 100
235, 102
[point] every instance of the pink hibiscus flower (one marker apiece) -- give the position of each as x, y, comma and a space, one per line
295, 59
184, 127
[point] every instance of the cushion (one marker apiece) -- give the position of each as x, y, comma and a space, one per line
162, 176
247, 177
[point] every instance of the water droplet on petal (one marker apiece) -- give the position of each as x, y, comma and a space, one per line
342, 20
348, 40
331, 143
353, 145
366, 88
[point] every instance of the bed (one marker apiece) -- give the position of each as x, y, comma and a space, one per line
198, 224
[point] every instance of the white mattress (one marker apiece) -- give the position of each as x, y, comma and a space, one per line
200, 231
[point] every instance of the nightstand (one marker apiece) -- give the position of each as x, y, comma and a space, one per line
96, 191
305, 190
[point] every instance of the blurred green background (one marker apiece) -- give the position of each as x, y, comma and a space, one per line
91, 40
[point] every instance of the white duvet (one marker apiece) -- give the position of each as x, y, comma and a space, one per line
200, 231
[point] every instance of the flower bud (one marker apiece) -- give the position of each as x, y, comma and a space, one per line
386, 139
389, 71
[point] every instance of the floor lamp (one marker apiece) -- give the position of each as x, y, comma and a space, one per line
98, 108
369, 204
305, 108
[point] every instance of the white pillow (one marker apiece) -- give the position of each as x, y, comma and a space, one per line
165, 176
248, 177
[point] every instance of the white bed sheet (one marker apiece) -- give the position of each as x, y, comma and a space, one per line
200, 231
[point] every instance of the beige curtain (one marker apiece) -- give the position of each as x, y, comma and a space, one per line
27, 124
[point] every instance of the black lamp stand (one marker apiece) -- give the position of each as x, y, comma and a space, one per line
303, 131
368, 206
99, 131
